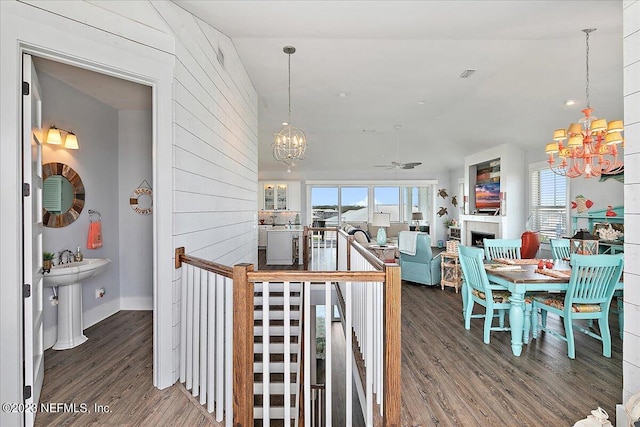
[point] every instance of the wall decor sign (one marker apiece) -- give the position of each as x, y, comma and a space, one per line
141, 200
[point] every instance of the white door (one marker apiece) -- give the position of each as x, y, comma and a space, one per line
32, 237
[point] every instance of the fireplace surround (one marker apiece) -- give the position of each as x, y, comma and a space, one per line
477, 238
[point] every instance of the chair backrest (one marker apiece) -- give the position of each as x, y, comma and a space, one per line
559, 248
593, 278
471, 262
423, 247
502, 248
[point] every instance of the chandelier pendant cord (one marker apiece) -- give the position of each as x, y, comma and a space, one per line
587, 31
290, 87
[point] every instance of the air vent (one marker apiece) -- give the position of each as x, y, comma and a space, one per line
466, 74
220, 57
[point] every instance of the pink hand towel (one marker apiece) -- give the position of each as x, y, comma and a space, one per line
94, 239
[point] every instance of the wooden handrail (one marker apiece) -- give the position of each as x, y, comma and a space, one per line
244, 278
211, 266
316, 276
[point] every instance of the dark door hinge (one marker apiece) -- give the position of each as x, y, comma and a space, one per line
26, 290
26, 190
26, 392
25, 88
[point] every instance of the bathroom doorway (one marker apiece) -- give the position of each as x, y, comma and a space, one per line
112, 120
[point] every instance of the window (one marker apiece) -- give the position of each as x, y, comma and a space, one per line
548, 193
387, 200
354, 202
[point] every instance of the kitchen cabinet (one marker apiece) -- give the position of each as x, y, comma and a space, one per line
262, 235
282, 195
280, 245
274, 196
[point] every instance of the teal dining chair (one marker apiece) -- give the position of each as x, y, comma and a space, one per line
491, 296
559, 248
591, 287
502, 248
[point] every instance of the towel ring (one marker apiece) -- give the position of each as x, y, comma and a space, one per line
91, 213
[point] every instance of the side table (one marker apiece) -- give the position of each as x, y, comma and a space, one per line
450, 270
385, 253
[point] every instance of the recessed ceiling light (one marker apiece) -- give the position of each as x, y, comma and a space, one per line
570, 102
342, 95
285, 124
421, 102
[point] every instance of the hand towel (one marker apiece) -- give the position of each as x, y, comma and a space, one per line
94, 239
407, 241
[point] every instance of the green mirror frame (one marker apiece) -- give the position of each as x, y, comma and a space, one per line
53, 220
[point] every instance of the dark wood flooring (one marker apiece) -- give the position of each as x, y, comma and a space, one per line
114, 370
449, 376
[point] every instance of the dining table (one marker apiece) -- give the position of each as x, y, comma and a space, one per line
522, 276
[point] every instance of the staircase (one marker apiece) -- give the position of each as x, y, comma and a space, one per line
271, 355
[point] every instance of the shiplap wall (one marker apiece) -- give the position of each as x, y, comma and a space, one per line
215, 164
213, 170
631, 62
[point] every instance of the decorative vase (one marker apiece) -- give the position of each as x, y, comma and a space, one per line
46, 264
381, 238
530, 244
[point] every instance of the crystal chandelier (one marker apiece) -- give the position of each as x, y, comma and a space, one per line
591, 147
290, 143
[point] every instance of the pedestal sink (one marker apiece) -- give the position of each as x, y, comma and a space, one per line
68, 279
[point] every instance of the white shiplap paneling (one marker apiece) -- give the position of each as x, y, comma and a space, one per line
215, 148
631, 358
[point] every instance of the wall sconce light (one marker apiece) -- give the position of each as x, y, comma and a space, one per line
55, 138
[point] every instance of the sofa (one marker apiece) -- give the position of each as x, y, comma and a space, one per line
366, 233
422, 267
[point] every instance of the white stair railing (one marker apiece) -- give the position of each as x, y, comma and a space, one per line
206, 316
218, 345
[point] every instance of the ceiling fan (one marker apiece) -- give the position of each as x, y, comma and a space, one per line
396, 164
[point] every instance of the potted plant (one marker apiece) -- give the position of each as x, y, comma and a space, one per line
47, 260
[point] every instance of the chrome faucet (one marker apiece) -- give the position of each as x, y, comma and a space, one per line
70, 256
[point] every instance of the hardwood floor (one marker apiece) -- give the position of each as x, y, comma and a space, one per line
449, 376
114, 369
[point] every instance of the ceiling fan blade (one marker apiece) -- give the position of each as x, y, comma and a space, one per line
396, 163
411, 164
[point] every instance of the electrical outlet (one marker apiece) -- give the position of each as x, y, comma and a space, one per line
100, 293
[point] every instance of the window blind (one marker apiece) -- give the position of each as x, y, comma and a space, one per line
548, 204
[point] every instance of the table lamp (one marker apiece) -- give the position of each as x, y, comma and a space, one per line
381, 220
417, 217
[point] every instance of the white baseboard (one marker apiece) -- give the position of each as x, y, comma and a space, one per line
50, 337
621, 416
99, 313
136, 303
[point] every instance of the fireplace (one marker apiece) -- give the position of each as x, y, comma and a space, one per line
478, 236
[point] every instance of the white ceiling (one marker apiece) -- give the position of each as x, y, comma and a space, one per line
388, 56
117, 93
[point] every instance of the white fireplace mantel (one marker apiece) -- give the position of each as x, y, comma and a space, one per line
480, 223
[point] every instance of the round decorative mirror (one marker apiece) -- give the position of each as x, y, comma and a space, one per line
62, 195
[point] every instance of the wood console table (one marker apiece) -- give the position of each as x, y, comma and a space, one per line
450, 270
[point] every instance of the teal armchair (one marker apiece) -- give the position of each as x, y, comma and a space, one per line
422, 267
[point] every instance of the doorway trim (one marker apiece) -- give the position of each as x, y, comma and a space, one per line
66, 41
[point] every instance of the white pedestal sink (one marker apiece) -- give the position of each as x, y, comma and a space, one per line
68, 279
